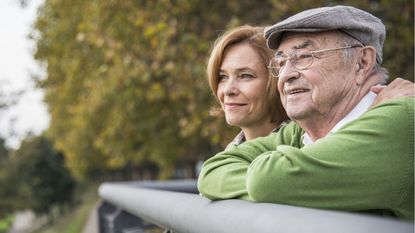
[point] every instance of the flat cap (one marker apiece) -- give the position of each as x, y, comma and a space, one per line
359, 24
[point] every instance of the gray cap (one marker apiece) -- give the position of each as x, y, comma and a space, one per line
359, 24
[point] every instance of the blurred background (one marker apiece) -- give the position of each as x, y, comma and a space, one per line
117, 91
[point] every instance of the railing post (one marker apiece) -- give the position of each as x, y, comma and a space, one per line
112, 219
104, 210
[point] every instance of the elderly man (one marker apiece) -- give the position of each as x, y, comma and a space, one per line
339, 152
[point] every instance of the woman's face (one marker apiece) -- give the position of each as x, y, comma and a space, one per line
242, 87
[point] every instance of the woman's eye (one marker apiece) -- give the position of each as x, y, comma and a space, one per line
247, 76
222, 77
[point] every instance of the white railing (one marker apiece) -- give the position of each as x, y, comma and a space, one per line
165, 205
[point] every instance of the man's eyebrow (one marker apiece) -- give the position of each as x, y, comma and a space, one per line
303, 45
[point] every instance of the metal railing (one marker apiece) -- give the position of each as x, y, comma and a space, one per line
175, 205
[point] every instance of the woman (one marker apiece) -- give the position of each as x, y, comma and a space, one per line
239, 78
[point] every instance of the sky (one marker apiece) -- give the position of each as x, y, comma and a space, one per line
17, 66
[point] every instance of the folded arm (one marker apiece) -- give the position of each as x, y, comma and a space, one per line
368, 164
224, 175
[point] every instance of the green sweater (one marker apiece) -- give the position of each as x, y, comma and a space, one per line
367, 165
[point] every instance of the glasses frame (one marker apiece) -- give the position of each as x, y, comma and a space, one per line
276, 72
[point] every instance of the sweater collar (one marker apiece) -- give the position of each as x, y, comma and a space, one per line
356, 112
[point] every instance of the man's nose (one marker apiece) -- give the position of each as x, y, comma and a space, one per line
288, 72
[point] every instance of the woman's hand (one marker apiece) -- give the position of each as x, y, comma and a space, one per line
397, 88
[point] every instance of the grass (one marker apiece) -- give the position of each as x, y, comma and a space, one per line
74, 220
6, 223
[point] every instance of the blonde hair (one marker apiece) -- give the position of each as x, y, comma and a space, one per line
255, 38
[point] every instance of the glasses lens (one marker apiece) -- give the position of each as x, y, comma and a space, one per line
274, 67
302, 61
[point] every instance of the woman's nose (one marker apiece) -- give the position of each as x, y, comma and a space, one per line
231, 87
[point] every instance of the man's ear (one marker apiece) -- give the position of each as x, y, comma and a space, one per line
365, 63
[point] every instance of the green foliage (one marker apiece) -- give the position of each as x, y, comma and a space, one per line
4, 152
9, 189
126, 80
42, 180
6, 223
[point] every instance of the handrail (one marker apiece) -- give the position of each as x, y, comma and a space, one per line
183, 186
190, 213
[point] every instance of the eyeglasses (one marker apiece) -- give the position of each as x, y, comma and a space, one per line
299, 60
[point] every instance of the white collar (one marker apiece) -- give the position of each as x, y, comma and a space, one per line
356, 112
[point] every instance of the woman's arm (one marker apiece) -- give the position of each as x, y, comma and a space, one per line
224, 175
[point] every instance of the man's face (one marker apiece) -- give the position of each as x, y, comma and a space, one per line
314, 92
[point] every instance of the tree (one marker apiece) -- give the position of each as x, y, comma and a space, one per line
126, 80
42, 178
8, 189
4, 151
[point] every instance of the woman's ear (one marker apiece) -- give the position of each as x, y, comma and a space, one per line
365, 63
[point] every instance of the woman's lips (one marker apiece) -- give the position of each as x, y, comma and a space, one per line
234, 105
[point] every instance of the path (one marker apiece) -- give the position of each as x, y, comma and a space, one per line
91, 225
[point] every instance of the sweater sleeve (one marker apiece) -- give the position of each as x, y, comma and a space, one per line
368, 164
224, 175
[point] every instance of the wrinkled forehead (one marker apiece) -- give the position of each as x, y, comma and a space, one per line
306, 40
